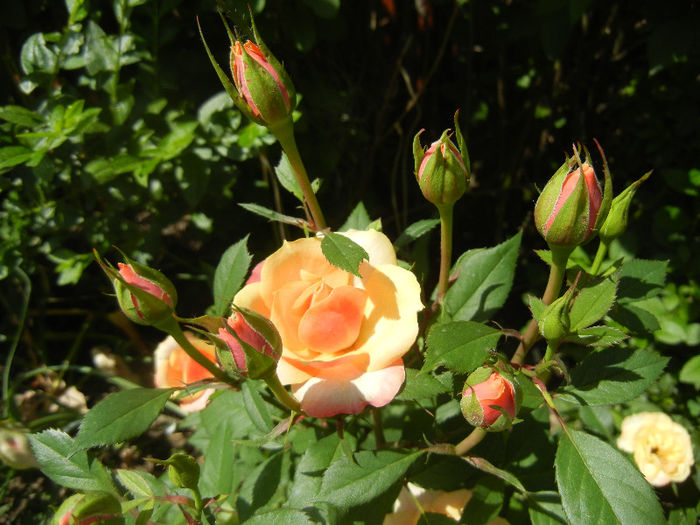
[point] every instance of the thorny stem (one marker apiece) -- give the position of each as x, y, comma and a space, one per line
599, 256
470, 441
446, 223
285, 135
556, 276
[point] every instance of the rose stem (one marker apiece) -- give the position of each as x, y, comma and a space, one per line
281, 393
378, 431
446, 221
599, 256
556, 276
285, 135
470, 441
172, 328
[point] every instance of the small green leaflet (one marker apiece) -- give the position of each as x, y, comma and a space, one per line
461, 346
343, 252
229, 274
121, 416
415, 231
55, 451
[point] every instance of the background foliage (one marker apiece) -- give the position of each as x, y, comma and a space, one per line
113, 130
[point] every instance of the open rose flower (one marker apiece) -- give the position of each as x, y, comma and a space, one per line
343, 336
174, 368
414, 501
661, 447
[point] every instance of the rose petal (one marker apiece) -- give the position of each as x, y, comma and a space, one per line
330, 397
333, 323
250, 297
287, 264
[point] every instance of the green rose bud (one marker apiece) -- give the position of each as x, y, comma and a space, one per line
443, 170
616, 222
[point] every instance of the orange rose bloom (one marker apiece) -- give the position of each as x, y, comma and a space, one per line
174, 368
343, 336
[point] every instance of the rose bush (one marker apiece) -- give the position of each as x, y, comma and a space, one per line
661, 447
343, 337
174, 368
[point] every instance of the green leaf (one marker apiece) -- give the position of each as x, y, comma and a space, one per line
285, 174
461, 346
599, 485
486, 466
343, 252
349, 482
592, 302
357, 220
690, 373
139, 483
12, 155
217, 474
597, 336
641, 279
20, 116
272, 215
36, 55
537, 307
286, 516
613, 375
56, 453
229, 274
105, 170
421, 385
545, 509
415, 231
324, 8
485, 503
309, 472
121, 416
255, 406
259, 486
484, 279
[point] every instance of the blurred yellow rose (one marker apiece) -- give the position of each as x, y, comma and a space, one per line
661, 447
343, 336
174, 368
413, 501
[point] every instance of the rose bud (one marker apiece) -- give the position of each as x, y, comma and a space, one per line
616, 222
88, 508
253, 342
571, 207
183, 470
261, 88
490, 399
443, 170
555, 321
15, 450
145, 295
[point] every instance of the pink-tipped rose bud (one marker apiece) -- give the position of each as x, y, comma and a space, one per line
253, 341
261, 88
145, 295
572, 207
490, 399
442, 171
259, 83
